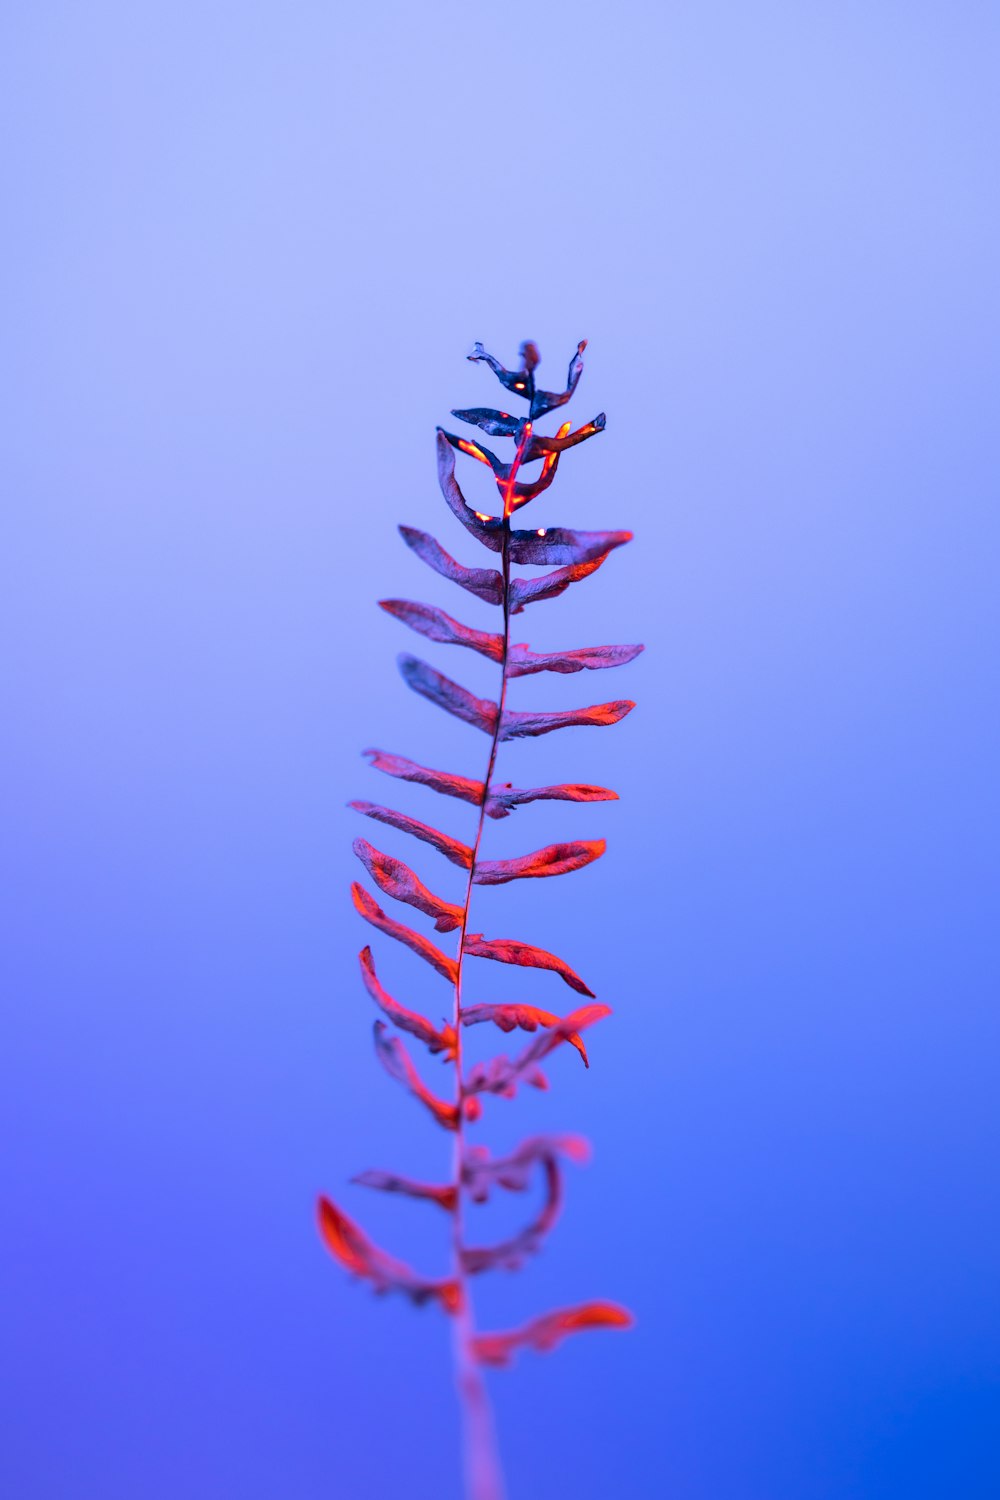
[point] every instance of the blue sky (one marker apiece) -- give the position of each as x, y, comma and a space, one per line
246, 251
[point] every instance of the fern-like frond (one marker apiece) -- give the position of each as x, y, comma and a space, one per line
572, 556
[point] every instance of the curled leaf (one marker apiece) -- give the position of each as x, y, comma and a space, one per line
481, 1172
438, 781
557, 544
501, 1075
523, 381
546, 1332
433, 685
521, 662
373, 913
399, 881
445, 1195
528, 1017
396, 1060
478, 451
519, 493
507, 951
498, 1076
530, 489
356, 1253
550, 585
554, 859
503, 799
437, 626
519, 725
519, 381
460, 854
486, 529
485, 583
544, 401
510, 1254
407, 1020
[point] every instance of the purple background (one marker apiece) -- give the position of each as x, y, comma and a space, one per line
246, 249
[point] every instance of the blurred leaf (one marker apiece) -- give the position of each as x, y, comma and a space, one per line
445, 1195
501, 1075
357, 1254
481, 1172
510, 1254
396, 1060
550, 1329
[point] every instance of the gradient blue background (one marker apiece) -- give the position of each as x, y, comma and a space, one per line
245, 250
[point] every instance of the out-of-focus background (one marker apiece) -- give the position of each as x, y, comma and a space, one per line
246, 248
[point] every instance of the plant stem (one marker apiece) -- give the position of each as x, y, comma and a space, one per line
483, 1475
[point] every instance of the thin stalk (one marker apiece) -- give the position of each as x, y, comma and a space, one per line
483, 1475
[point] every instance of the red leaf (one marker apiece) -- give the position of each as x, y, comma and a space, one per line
550, 585
523, 382
478, 451
501, 1075
438, 626
540, 445
550, 1329
373, 913
498, 1076
508, 951
486, 529
531, 489
528, 1017
444, 1196
519, 381
407, 1020
495, 423
356, 1253
459, 854
521, 725
479, 712
510, 1254
399, 881
561, 546
485, 583
396, 1060
481, 1171
544, 401
438, 781
554, 859
521, 662
504, 799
